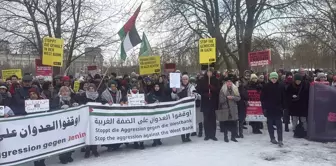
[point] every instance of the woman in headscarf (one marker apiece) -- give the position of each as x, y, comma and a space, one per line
64, 101
156, 96
227, 112
90, 95
186, 90
135, 90
208, 89
5, 99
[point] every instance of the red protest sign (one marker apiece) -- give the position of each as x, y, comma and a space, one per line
254, 110
259, 58
170, 67
42, 70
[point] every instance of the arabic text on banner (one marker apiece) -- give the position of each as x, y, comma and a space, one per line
121, 124
37, 136
254, 110
207, 50
52, 51
9, 72
149, 65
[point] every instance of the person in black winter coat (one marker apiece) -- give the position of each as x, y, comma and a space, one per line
273, 103
209, 91
156, 96
20, 95
242, 104
297, 95
90, 95
255, 85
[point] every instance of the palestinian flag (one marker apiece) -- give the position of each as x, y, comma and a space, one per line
129, 35
145, 48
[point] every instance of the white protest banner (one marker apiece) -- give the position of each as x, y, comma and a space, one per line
175, 80
37, 136
32, 106
136, 99
112, 124
2, 111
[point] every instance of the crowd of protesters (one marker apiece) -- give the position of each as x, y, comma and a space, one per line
219, 97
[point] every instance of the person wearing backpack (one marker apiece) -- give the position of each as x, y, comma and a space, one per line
297, 96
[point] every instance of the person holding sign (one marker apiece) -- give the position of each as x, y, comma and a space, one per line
156, 96
185, 90
112, 95
209, 89
20, 95
135, 90
64, 101
5, 98
90, 95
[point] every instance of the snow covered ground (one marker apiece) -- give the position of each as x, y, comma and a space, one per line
253, 150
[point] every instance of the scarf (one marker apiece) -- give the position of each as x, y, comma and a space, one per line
92, 95
106, 95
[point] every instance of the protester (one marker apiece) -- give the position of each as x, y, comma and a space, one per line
91, 95
255, 85
242, 105
64, 101
273, 104
186, 90
227, 112
156, 96
208, 89
297, 96
20, 95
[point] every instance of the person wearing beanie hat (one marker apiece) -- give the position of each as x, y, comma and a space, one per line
33, 94
297, 96
273, 104
253, 84
321, 77
186, 90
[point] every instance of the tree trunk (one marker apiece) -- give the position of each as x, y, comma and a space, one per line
58, 33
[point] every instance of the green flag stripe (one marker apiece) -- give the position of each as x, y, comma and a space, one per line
141, 113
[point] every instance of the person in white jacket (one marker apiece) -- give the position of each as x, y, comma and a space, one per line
185, 90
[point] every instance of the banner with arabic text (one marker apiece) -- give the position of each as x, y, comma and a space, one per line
37, 136
115, 124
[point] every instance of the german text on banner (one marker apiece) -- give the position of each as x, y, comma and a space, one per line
37, 136
109, 124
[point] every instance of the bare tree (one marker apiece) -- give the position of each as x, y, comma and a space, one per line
231, 22
78, 22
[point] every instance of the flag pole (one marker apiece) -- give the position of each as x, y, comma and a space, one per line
105, 73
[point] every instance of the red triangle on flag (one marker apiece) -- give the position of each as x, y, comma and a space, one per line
90, 109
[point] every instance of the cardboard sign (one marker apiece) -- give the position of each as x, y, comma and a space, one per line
170, 67
207, 50
32, 106
76, 86
254, 110
52, 52
149, 65
8, 73
259, 58
136, 99
175, 80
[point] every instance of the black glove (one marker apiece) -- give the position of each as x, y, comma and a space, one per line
265, 112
